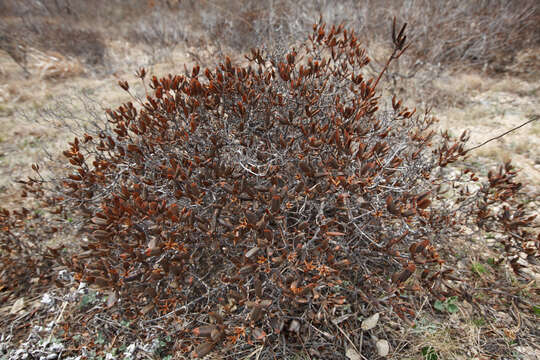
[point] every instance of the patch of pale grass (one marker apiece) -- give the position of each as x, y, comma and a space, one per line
510, 84
51, 65
459, 84
463, 118
454, 337
527, 64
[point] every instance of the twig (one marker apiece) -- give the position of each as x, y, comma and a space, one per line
183, 307
400, 46
531, 119
359, 352
56, 321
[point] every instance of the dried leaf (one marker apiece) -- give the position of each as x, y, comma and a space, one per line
294, 326
352, 354
148, 308
334, 233
17, 306
111, 299
256, 313
203, 349
217, 317
252, 252
370, 322
204, 331
101, 282
216, 335
383, 348
259, 334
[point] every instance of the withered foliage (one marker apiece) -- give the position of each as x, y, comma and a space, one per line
24, 261
267, 195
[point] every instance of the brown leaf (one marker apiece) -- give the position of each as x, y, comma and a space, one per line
246, 269
334, 233
100, 234
216, 335
102, 282
391, 207
259, 334
204, 331
217, 317
276, 202
203, 349
256, 313
257, 286
402, 276
424, 203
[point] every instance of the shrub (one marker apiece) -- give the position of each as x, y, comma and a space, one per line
23, 258
272, 196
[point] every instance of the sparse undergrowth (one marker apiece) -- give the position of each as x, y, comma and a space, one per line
487, 33
260, 203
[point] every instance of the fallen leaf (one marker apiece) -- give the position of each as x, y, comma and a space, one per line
252, 252
383, 348
334, 233
216, 335
203, 349
204, 331
148, 308
370, 322
259, 334
295, 326
17, 306
352, 354
111, 299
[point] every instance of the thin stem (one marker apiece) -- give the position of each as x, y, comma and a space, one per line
531, 119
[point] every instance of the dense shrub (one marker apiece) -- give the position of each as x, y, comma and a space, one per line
274, 195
